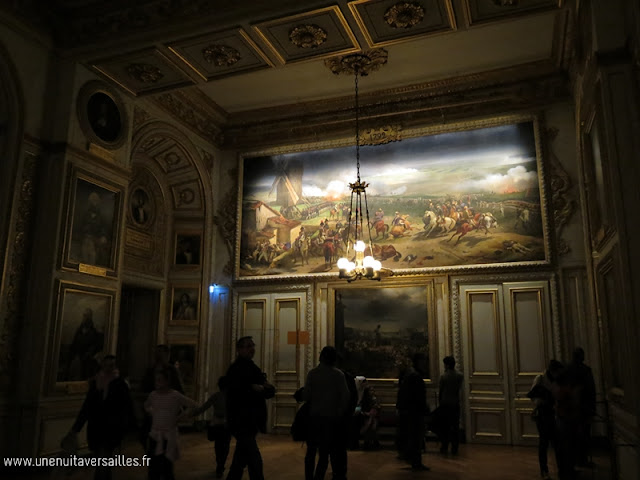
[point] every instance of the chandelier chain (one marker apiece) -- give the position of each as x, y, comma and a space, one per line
356, 69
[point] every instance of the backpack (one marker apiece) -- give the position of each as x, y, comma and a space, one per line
301, 423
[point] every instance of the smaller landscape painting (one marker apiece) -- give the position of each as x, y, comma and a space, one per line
378, 330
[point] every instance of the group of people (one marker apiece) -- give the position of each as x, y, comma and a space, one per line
239, 410
565, 404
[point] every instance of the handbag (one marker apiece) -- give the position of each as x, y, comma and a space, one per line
301, 423
214, 431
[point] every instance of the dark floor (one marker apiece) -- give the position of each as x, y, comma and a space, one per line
283, 460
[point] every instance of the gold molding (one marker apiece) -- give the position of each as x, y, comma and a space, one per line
253, 46
258, 29
382, 135
353, 7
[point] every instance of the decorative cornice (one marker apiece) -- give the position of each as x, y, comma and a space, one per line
191, 113
404, 14
379, 136
511, 89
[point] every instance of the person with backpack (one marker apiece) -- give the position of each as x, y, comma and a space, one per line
218, 431
541, 394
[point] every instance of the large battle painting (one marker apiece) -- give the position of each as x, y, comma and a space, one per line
452, 199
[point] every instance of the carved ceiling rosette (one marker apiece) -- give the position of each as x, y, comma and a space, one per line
221, 55
404, 14
307, 36
364, 62
145, 73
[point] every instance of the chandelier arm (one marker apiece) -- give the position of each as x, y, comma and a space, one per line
349, 224
366, 206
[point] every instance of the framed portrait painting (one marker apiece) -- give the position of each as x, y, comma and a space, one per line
82, 331
597, 177
102, 115
466, 196
188, 247
185, 303
141, 207
93, 219
183, 354
378, 330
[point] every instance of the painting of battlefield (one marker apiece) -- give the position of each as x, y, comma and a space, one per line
452, 199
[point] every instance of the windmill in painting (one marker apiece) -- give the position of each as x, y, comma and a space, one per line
463, 198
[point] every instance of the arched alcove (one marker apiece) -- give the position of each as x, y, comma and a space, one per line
169, 203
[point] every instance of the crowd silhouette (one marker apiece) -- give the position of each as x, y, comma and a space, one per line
339, 411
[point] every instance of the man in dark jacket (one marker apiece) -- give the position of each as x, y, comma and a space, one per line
581, 377
247, 409
108, 412
412, 408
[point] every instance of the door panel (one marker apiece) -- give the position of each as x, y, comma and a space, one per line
506, 337
486, 385
254, 323
528, 329
276, 321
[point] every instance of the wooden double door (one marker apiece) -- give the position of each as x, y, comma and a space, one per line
278, 323
506, 341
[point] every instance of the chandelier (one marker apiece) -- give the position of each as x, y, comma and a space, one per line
359, 266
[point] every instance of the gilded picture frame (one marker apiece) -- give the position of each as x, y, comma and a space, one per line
92, 239
102, 115
183, 353
187, 249
185, 305
81, 334
378, 328
597, 175
493, 167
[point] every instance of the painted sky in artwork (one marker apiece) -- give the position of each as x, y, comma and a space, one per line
393, 308
498, 159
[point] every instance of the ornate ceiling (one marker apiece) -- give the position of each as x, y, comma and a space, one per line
243, 56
